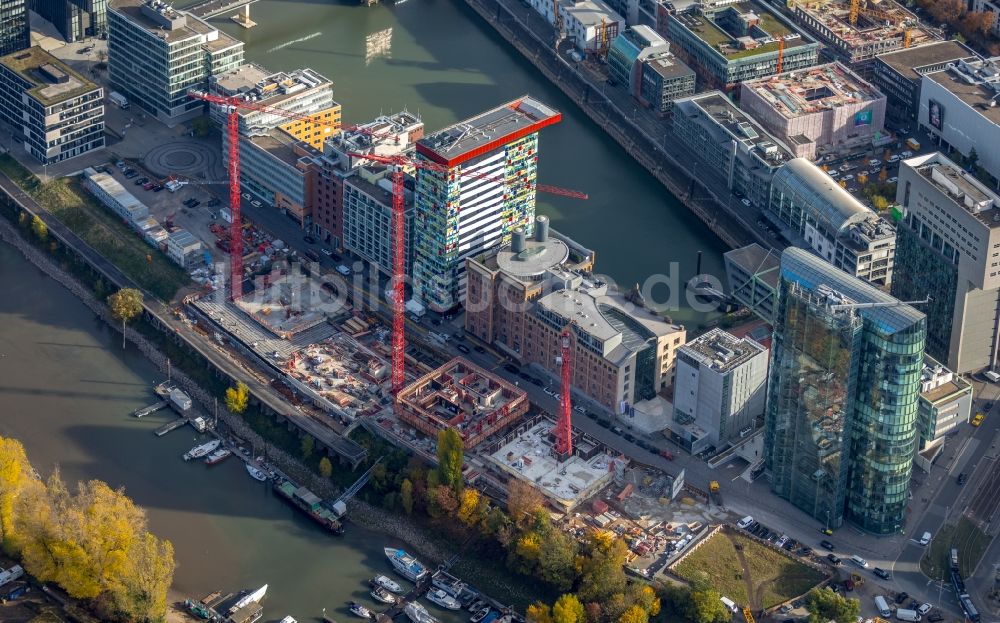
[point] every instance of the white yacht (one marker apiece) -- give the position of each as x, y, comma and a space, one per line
405, 564
418, 614
443, 599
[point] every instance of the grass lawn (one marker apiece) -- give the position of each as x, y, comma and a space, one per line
970, 542
771, 576
101, 229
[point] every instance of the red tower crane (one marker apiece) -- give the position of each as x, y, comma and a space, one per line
233, 104
564, 427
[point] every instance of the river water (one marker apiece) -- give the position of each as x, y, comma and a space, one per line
67, 391
445, 63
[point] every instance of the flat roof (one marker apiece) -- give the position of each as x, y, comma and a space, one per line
814, 89
769, 29
279, 144
536, 258
668, 66
183, 24
964, 190
721, 350
732, 123
54, 81
487, 131
876, 21
592, 12
978, 93
909, 61
259, 85
758, 261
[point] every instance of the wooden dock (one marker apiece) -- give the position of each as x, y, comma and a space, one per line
170, 426
415, 593
153, 408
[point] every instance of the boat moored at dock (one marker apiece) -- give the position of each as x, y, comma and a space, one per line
310, 504
249, 598
418, 614
386, 583
443, 599
405, 564
448, 583
256, 473
218, 456
204, 449
381, 595
359, 610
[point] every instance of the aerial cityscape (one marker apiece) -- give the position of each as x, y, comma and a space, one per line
499, 311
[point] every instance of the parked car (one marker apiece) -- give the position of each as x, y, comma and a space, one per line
882, 573
194, 203
849, 177
479, 349
826, 545
961, 479
900, 598
833, 559
746, 202
874, 162
326, 252
509, 367
308, 239
934, 617
148, 186
629, 437
462, 348
141, 181
892, 180
157, 188
131, 174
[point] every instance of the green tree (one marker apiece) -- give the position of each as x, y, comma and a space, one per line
126, 305
634, 614
568, 609
325, 467
705, 606
824, 604
603, 573
307, 446
39, 228
201, 127
237, 398
557, 559
406, 495
451, 456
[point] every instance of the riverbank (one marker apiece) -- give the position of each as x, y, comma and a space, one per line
417, 537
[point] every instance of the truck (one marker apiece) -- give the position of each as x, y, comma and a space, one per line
905, 614
118, 100
913, 144
882, 606
415, 308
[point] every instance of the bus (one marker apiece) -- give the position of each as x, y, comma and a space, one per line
970, 610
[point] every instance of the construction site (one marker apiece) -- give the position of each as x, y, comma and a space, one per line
859, 30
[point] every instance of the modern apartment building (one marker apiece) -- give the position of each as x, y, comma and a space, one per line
640, 61
735, 146
623, 353
830, 221
856, 31
301, 91
368, 228
481, 188
58, 113
156, 54
958, 108
949, 250
720, 386
826, 109
898, 74
843, 392
15, 31
945, 402
387, 135
589, 24
74, 19
728, 42
504, 283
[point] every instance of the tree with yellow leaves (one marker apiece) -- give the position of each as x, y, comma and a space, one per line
469, 507
14, 470
126, 306
568, 609
237, 398
538, 612
883, 175
634, 614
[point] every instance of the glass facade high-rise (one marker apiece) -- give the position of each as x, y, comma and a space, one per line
841, 421
74, 19
15, 33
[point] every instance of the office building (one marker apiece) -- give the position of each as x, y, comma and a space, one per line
58, 113
301, 92
623, 353
387, 135
841, 421
898, 74
730, 42
958, 108
15, 31
948, 246
720, 386
988, 6
481, 188
156, 54
752, 278
280, 171
736, 147
826, 109
640, 61
945, 402
368, 230
589, 24
462, 396
830, 221
503, 284
75, 20
856, 31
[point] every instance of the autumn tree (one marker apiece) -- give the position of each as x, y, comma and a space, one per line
237, 398
522, 501
645, 597
602, 571
704, 603
568, 609
39, 228
523, 557
406, 495
325, 467
824, 604
126, 305
880, 203
141, 593
634, 614
469, 507
538, 612
14, 471
450, 456
557, 559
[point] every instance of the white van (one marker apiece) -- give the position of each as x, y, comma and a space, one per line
904, 614
859, 561
991, 376
729, 603
882, 606
926, 538
743, 523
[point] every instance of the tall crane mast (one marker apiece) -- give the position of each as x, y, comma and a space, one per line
781, 55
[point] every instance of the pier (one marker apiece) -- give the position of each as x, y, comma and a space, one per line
170, 426
153, 408
213, 8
